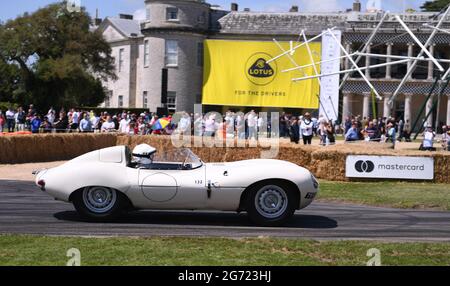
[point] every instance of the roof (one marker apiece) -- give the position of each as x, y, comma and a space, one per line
278, 23
127, 27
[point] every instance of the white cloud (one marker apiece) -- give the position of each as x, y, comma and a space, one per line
139, 14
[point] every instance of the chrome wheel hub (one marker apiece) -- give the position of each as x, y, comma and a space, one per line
99, 199
271, 201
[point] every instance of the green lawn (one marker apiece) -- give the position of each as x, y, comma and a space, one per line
51, 251
390, 194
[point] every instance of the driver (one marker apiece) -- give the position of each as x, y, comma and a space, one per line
143, 155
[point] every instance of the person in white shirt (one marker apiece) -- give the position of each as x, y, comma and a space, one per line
428, 140
108, 125
322, 129
10, 120
252, 123
307, 129
210, 126
124, 125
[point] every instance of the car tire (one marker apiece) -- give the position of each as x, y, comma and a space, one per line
271, 204
99, 203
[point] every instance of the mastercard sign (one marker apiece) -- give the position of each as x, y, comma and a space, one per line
238, 73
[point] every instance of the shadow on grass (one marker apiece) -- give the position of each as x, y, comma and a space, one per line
203, 219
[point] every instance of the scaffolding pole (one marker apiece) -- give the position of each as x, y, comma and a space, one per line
414, 63
369, 40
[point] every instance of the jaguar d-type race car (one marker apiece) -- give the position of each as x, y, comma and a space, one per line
106, 183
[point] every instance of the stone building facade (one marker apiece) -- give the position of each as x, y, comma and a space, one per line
173, 33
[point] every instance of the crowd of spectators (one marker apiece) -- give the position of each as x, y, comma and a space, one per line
233, 125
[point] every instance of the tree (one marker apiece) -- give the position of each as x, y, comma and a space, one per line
55, 58
435, 5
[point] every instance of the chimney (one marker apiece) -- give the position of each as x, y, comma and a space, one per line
294, 9
98, 21
246, 9
234, 7
356, 6
126, 16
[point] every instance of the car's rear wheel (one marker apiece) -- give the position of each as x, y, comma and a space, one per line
99, 203
270, 204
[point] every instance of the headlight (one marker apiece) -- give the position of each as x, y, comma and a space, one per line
315, 182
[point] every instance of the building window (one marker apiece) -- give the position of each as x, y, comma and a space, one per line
146, 53
200, 50
172, 14
147, 13
202, 18
171, 53
108, 98
172, 101
120, 101
145, 99
121, 53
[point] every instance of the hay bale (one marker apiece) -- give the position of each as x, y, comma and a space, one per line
51, 147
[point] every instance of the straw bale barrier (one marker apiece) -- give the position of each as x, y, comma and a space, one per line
50, 147
325, 162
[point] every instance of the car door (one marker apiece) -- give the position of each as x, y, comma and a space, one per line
158, 186
174, 189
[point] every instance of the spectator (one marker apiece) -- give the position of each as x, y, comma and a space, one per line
47, 126
2, 121
371, 132
391, 134
20, 119
252, 122
347, 124
428, 140
108, 125
352, 134
306, 128
85, 124
210, 126
295, 131
63, 122
322, 129
330, 138
124, 125
445, 139
35, 124
10, 120
95, 122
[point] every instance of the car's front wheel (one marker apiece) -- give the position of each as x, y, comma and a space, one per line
270, 204
99, 203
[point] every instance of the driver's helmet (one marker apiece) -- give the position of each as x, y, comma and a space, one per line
143, 154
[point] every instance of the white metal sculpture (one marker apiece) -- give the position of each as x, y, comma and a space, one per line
411, 60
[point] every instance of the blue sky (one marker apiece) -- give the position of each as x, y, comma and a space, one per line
10, 9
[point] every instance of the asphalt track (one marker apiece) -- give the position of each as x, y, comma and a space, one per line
26, 210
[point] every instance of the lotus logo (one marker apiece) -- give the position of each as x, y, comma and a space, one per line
365, 166
258, 71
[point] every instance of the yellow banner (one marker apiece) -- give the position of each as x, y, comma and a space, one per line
236, 73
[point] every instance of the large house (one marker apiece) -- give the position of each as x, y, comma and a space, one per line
173, 33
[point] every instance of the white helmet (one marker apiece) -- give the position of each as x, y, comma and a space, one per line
144, 153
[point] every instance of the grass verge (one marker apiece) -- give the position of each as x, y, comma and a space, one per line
51, 251
390, 194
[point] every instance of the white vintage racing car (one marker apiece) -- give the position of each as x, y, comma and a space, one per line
106, 183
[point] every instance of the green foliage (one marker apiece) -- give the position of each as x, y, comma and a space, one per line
435, 5
52, 58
